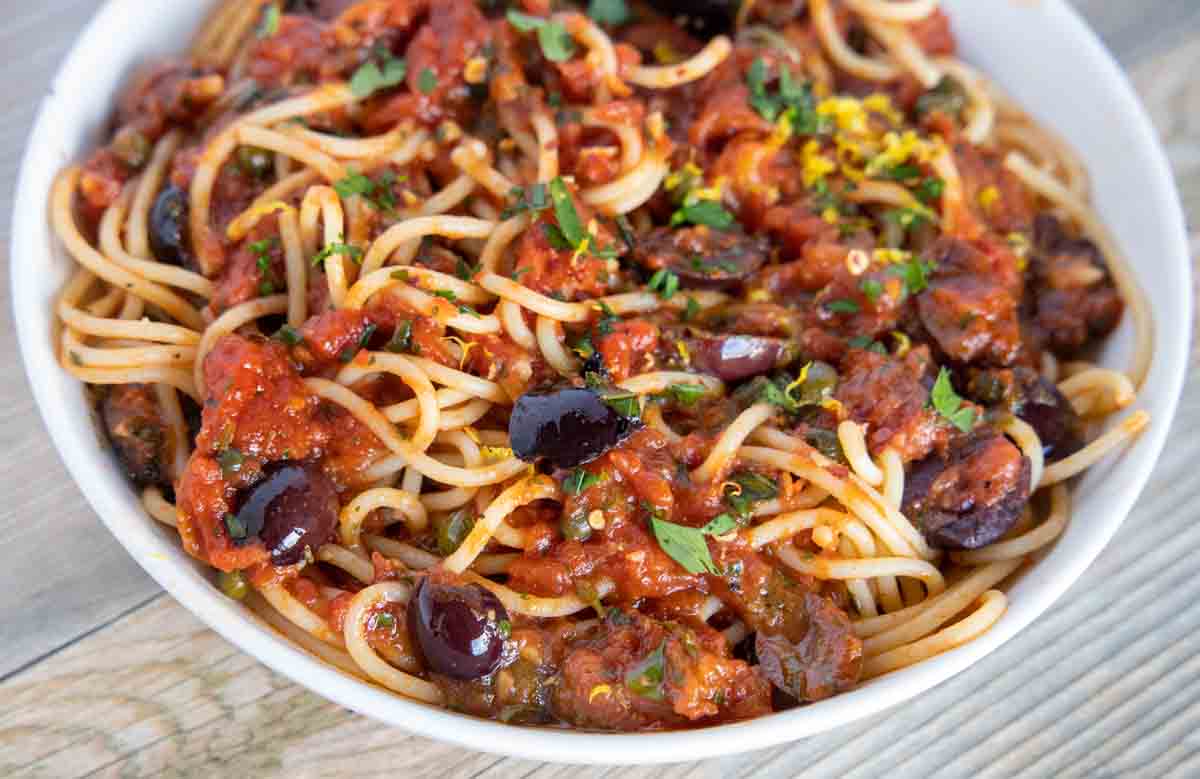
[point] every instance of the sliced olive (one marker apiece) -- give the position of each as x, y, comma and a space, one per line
734, 357
168, 226
703, 257
1054, 419
704, 17
458, 629
971, 498
255, 162
566, 427
575, 526
294, 507
452, 529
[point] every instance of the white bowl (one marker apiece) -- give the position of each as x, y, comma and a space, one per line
1042, 53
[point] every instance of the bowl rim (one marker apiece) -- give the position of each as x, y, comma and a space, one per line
153, 550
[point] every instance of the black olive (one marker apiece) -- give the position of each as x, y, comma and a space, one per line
566, 427
1053, 418
168, 226
459, 631
949, 507
705, 17
293, 507
702, 257
734, 357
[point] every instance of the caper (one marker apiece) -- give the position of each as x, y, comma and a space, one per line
255, 162
452, 529
575, 526
233, 584
819, 384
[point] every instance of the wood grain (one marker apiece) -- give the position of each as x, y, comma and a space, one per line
101, 675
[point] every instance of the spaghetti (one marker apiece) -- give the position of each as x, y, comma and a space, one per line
540, 368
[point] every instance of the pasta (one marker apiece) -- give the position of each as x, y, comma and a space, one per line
523, 365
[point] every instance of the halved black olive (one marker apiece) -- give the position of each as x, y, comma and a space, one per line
460, 631
293, 507
734, 357
168, 226
1053, 418
958, 502
566, 427
702, 257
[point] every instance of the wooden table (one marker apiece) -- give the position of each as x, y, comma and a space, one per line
101, 673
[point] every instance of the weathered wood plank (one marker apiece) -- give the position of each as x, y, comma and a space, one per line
64, 574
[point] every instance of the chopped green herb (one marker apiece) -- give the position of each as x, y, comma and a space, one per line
464, 270
915, 274
445, 293
871, 288
842, 306
349, 250
665, 283
505, 628
794, 99
382, 620
949, 403
556, 43
948, 97
565, 213
579, 480
367, 332
690, 310
235, 527
288, 335
901, 173
646, 678
608, 319
427, 81
703, 212
401, 338
378, 191
372, 77
583, 346
231, 461
863, 342
463, 308
930, 189
686, 394
625, 403
625, 228
748, 488
270, 22
611, 12
908, 218
686, 545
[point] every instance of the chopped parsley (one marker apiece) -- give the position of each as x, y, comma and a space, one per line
231, 461
842, 306
901, 173
367, 332
556, 43
665, 283
690, 310
564, 211
377, 191
686, 394
427, 81
337, 247
915, 274
611, 12
792, 99
579, 480
646, 678
270, 22
949, 403
930, 189
746, 488
709, 213
288, 335
373, 76
624, 403
382, 620
236, 527
262, 251
464, 270
401, 340
871, 288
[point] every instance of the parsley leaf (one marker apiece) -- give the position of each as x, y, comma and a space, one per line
949, 403
871, 288
746, 488
646, 678
665, 283
930, 189
842, 306
288, 335
557, 44
564, 211
793, 98
354, 253
579, 480
613, 12
703, 212
427, 81
401, 338
270, 22
690, 311
915, 274
231, 461
533, 199
686, 545
372, 77
686, 394
378, 191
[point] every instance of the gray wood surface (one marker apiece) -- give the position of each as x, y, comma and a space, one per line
100, 673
